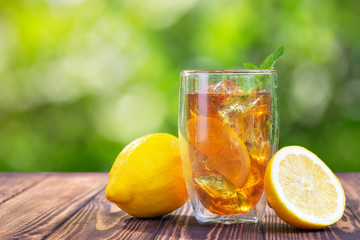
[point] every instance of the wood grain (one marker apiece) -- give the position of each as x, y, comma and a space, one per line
102, 219
346, 228
11, 184
73, 206
37, 212
351, 185
181, 224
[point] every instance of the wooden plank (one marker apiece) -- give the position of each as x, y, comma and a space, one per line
351, 185
12, 184
346, 228
102, 219
181, 224
73, 206
36, 213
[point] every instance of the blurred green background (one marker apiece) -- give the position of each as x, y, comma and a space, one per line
79, 79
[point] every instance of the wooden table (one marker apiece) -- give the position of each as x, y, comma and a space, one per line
73, 206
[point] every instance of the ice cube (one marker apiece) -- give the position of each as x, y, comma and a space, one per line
249, 115
216, 186
234, 107
221, 197
227, 86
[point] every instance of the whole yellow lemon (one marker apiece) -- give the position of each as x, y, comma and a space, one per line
146, 179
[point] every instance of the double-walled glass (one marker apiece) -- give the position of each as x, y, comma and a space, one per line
228, 130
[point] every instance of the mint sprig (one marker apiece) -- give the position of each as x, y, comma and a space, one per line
250, 66
269, 62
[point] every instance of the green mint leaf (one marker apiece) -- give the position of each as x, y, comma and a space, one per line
250, 66
272, 58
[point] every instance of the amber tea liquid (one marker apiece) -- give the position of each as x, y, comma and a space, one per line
228, 137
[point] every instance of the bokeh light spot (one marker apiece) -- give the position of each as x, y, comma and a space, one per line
138, 112
311, 91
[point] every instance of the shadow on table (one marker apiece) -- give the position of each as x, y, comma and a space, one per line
188, 227
286, 228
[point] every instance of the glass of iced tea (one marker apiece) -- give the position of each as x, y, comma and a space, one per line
228, 131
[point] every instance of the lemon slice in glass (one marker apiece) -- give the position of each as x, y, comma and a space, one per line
226, 153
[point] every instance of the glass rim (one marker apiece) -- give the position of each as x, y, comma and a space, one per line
260, 71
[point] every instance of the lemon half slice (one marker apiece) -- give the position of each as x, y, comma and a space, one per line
302, 190
226, 153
